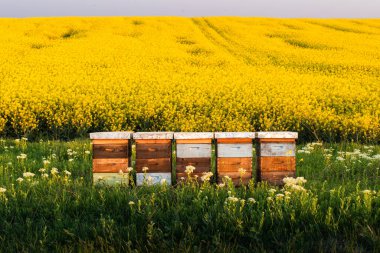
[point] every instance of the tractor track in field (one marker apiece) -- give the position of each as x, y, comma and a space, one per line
221, 40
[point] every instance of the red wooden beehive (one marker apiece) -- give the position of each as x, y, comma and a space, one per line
276, 153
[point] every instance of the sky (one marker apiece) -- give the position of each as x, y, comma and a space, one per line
256, 8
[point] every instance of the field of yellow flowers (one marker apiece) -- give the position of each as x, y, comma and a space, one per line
65, 77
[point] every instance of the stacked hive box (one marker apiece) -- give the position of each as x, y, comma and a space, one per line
193, 149
234, 151
276, 156
154, 151
111, 155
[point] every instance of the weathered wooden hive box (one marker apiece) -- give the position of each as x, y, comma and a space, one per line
111, 156
193, 149
153, 151
234, 152
276, 156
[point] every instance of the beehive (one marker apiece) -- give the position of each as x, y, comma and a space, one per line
154, 151
111, 156
193, 149
276, 153
234, 152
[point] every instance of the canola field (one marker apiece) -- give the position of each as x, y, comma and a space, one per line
65, 77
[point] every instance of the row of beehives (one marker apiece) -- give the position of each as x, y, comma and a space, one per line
275, 155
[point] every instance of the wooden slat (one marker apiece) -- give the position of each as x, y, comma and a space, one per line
277, 149
110, 165
110, 160
193, 150
200, 164
190, 141
234, 150
110, 151
233, 164
276, 140
154, 165
110, 141
153, 141
110, 178
276, 163
276, 177
156, 178
153, 150
235, 140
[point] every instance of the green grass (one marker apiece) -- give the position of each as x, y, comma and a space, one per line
68, 214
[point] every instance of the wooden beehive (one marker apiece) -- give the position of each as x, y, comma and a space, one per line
276, 153
111, 154
234, 151
154, 151
193, 149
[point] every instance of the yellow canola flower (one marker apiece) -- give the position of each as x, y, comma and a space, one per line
69, 76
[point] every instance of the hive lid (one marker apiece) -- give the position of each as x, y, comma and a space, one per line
193, 135
280, 135
240, 135
110, 135
153, 135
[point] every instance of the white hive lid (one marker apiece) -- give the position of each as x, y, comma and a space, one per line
153, 135
280, 135
110, 135
240, 135
193, 135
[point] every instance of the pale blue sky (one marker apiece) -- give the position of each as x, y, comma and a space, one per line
267, 8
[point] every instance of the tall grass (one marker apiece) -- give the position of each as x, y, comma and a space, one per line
339, 210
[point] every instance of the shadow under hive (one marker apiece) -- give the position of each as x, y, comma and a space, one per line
154, 151
234, 152
193, 149
276, 156
111, 156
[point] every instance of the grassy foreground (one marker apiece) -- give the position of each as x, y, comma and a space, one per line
337, 209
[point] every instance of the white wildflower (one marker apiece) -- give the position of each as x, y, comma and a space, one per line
54, 171
28, 174
232, 199
22, 156
189, 169
20, 179
242, 171
206, 176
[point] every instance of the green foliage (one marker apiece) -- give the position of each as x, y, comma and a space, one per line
339, 210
